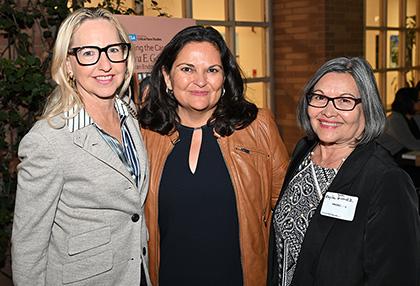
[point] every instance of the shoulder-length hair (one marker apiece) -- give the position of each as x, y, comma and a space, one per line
233, 111
64, 96
362, 74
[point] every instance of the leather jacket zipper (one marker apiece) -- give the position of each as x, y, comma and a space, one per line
249, 151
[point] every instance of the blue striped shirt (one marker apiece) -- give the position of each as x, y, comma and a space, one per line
126, 152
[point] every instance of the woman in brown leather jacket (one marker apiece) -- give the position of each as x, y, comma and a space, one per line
217, 166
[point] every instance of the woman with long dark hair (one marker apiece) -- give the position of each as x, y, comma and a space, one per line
217, 165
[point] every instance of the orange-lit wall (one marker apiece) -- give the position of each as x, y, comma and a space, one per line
306, 34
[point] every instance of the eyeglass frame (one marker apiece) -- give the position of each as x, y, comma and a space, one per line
355, 100
73, 52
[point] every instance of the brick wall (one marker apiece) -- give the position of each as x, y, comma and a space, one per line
307, 33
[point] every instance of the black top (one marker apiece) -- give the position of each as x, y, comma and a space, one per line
413, 127
198, 220
380, 246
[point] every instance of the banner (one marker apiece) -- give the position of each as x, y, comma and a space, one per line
148, 36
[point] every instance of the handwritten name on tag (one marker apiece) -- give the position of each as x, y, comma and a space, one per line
339, 206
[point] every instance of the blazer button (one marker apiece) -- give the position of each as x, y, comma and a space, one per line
144, 250
135, 217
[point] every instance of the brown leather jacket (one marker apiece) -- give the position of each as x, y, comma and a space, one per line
257, 160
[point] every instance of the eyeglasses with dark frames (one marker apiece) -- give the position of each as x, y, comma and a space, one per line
343, 103
90, 55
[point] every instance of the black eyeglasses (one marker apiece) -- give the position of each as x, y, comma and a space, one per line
89, 55
343, 103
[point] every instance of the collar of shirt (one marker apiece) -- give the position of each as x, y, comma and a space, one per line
82, 119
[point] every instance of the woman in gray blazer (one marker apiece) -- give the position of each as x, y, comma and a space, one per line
83, 175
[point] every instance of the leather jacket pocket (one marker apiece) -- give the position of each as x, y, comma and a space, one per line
260, 161
253, 151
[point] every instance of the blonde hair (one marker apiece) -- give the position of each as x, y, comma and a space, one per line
64, 97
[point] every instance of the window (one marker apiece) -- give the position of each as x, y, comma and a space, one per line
245, 25
392, 30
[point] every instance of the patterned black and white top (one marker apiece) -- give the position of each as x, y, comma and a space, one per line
294, 212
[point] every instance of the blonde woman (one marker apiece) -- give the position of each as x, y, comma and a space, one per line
82, 177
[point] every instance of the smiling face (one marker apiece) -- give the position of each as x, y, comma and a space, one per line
196, 79
102, 79
333, 126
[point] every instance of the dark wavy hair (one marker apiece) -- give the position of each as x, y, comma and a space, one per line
233, 111
405, 100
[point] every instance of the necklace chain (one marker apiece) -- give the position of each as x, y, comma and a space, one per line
339, 166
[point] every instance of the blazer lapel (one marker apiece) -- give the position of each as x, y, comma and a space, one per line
89, 139
350, 169
320, 226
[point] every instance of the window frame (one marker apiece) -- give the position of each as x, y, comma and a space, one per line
381, 71
230, 25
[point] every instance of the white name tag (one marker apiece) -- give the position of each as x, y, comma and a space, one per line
339, 206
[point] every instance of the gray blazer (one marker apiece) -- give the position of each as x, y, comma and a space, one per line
79, 216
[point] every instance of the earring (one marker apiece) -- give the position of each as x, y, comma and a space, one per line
223, 92
71, 81
169, 91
